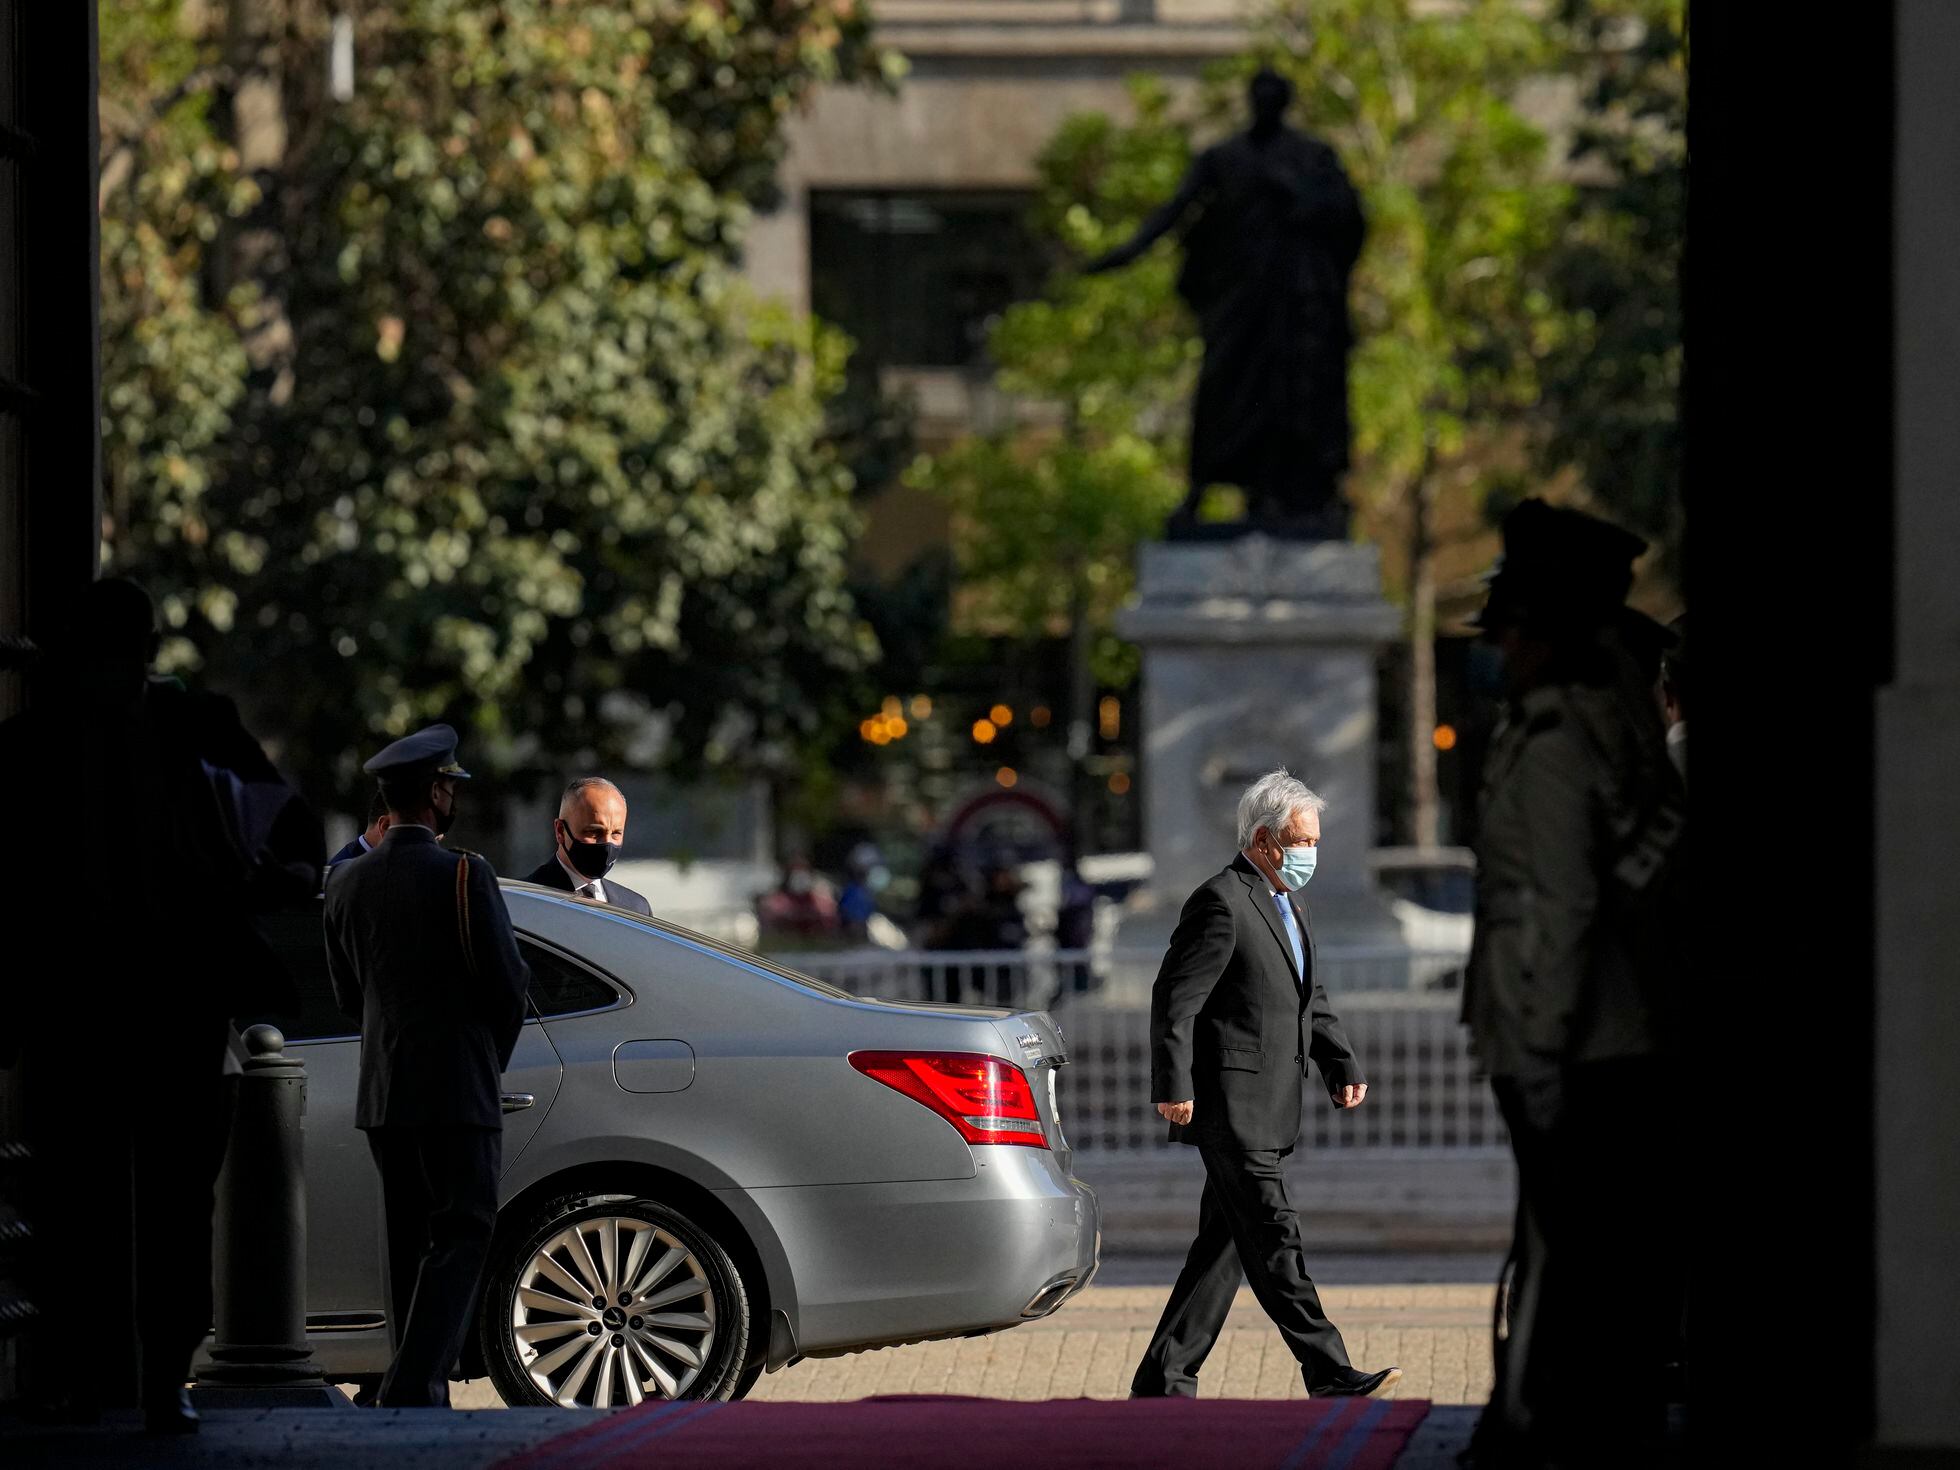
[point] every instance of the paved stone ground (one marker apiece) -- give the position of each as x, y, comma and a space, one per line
1431, 1316
1438, 1334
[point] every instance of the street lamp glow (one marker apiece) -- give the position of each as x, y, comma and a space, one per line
1007, 776
984, 732
1001, 715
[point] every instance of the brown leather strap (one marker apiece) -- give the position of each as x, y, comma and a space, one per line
463, 913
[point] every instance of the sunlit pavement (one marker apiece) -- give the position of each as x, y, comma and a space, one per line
1432, 1316
1439, 1332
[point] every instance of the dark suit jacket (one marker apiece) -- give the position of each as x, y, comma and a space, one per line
1232, 1025
348, 853
435, 1036
551, 874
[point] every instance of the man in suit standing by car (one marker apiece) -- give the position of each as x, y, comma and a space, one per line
420, 948
588, 833
367, 841
1235, 1015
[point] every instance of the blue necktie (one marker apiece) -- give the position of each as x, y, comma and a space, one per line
1292, 932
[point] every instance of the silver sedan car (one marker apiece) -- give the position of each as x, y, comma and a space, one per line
713, 1167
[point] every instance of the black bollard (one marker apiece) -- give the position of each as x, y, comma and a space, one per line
260, 1357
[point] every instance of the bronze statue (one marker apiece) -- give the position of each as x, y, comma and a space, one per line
1266, 262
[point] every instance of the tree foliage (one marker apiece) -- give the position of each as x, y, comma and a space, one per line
1614, 383
534, 461
1048, 513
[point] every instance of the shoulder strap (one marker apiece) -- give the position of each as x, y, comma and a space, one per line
463, 913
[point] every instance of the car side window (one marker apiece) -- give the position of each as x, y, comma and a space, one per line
562, 987
296, 938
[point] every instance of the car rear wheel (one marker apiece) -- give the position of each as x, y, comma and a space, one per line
613, 1300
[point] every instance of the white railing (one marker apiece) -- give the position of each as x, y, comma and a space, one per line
1424, 1094
1423, 1091
1051, 979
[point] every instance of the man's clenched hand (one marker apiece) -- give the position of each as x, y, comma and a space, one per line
1351, 1095
1179, 1113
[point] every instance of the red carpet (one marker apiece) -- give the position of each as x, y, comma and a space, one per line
951, 1433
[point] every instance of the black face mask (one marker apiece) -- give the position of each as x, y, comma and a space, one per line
592, 859
443, 818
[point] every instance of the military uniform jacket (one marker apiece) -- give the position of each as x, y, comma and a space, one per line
1232, 1024
1555, 975
437, 1025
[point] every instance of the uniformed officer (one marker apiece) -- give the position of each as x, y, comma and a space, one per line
420, 948
1567, 995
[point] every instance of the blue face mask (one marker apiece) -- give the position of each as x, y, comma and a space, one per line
1296, 865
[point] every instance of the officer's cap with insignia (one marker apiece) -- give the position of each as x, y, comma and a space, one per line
425, 755
1559, 566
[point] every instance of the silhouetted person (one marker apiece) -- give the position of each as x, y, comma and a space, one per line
369, 838
1274, 231
1075, 928
115, 772
1234, 1017
1570, 997
587, 834
420, 948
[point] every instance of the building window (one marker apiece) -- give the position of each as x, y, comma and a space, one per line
918, 279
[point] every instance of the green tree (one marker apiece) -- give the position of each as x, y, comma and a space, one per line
1451, 302
1047, 516
532, 460
1453, 311
1613, 384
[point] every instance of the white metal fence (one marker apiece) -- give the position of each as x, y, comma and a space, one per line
1423, 1092
1037, 979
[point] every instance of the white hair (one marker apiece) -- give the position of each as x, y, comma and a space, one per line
1271, 801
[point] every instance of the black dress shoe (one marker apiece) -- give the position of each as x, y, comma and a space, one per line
1353, 1383
169, 1412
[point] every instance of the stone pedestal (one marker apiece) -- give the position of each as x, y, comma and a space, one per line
1259, 653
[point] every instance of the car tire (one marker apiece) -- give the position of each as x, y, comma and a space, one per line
747, 1379
548, 1342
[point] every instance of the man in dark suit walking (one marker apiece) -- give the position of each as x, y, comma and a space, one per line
1234, 1017
588, 833
420, 947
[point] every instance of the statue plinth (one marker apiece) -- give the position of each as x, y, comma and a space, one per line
1259, 653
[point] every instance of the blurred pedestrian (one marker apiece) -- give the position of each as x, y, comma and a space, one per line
802, 905
866, 876
588, 833
369, 839
1570, 997
1075, 929
1236, 989
165, 788
420, 949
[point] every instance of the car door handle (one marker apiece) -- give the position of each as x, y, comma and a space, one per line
517, 1102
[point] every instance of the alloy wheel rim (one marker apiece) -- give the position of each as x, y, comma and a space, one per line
613, 1310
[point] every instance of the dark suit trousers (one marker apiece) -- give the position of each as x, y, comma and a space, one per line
1579, 1367
439, 1194
1246, 1231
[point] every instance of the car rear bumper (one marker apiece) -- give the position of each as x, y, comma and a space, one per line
880, 1264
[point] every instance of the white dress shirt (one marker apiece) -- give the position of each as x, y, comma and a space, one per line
583, 886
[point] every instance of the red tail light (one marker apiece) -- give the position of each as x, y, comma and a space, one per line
988, 1099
